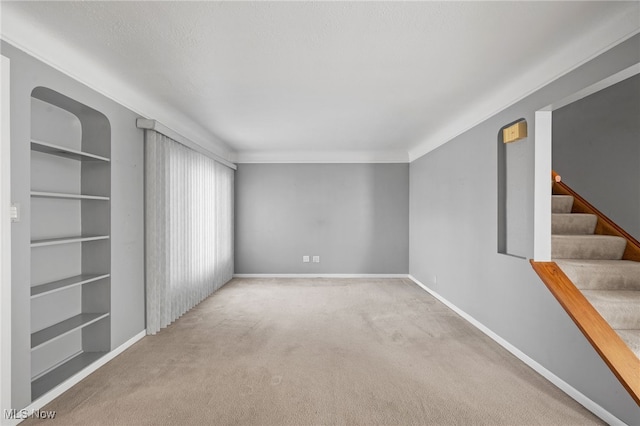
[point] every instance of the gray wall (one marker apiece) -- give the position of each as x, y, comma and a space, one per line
127, 242
354, 216
453, 239
596, 150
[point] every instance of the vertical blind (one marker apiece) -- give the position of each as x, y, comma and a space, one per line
188, 228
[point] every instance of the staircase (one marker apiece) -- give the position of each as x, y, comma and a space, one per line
594, 264
595, 276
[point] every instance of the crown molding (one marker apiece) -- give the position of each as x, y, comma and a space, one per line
249, 157
561, 62
20, 32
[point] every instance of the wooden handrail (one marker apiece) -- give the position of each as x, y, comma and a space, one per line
605, 226
616, 354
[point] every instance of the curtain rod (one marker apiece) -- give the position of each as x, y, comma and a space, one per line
144, 123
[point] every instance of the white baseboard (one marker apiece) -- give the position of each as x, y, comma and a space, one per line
75, 379
564, 386
320, 276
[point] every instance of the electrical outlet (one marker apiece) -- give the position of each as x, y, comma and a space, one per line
316, 259
305, 259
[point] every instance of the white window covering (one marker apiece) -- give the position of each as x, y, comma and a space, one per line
189, 228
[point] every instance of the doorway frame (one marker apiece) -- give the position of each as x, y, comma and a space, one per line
5, 236
543, 162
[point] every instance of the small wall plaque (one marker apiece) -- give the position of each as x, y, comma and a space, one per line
515, 132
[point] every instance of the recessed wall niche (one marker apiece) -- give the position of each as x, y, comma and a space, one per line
70, 238
513, 208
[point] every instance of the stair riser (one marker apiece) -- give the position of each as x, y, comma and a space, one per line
594, 278
573, 224
618, 308
602, 281
574, 248
619, 318
561, 203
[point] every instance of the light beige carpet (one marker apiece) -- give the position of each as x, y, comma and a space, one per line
318, 351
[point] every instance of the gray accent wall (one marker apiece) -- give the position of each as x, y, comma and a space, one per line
596, 150
453, 241
354, 216
127, 226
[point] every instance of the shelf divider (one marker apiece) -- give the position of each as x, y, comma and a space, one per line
49, 334
60, 151
67, 240
53, 286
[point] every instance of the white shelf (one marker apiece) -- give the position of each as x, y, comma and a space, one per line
45, 194
67, 240
59, 285
60, 151
49, 334
62, 372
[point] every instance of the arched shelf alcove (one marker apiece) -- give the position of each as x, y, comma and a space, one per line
70, 238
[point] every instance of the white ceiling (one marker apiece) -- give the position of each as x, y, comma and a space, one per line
296, 81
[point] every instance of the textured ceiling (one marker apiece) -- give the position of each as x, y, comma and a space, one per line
321, 76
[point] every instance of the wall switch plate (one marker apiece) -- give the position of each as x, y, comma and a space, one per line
316, 259
305, 259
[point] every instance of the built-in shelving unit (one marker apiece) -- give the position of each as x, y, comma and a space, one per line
70, 238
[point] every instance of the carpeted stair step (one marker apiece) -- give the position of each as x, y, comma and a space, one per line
602, 274
587, 247
573, 223
632, 339
618, 307
561, 203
